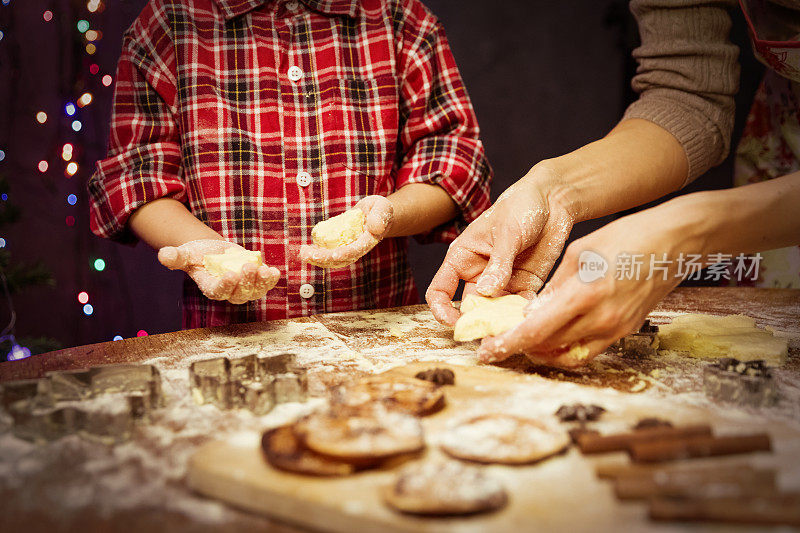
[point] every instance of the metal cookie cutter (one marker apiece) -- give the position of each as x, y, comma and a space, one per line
101, 402
254, 382
742, 382
640, 344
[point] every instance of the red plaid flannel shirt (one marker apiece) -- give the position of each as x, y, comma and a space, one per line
230, 106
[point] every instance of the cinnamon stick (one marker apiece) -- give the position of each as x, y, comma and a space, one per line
775, 509
617, 470
690, 483
593, 443
698, 446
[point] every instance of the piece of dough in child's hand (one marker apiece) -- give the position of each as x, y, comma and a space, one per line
339, 230
483, 316
710, 336
232, 260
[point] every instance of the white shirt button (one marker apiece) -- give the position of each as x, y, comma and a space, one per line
303, 179
292, 6
306, 290
295, 73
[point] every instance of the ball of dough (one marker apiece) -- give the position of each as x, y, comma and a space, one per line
483, 316
339, 230
231, 260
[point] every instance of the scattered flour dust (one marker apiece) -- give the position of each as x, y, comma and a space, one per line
72, 475
448, 481
501, 437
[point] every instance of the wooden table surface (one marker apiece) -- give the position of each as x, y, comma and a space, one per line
779, 308
340, 338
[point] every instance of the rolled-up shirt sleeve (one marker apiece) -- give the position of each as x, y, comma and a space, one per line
439, 135
687, 75
144, 157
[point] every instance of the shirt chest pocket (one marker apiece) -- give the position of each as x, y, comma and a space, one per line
360, 121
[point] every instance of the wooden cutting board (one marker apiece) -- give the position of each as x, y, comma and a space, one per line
559, 494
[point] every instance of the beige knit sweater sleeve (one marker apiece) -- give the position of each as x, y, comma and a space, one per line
687, 75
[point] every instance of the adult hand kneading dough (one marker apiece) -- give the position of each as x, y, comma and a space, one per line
484, 316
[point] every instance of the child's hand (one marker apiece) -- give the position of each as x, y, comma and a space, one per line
379, 217
252, 283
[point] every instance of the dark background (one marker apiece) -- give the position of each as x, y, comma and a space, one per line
545, 77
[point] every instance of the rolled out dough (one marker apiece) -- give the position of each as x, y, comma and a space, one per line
483, 316
711, 336
339, 230
231, 260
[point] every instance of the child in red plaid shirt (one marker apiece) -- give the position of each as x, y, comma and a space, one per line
243, 123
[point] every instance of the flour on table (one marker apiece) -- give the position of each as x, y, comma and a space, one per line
72, 477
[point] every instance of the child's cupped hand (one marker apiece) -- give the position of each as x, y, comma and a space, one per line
252, 283
379, 217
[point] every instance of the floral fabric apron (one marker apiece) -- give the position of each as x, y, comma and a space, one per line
770, 144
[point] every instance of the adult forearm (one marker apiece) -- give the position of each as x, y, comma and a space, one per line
748, 219
167, 222
419, 207
637, 162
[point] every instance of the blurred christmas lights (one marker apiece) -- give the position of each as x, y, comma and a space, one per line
85, 99
2, 155
117, 338
17, 352
141, 333
2, 243
92, 36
